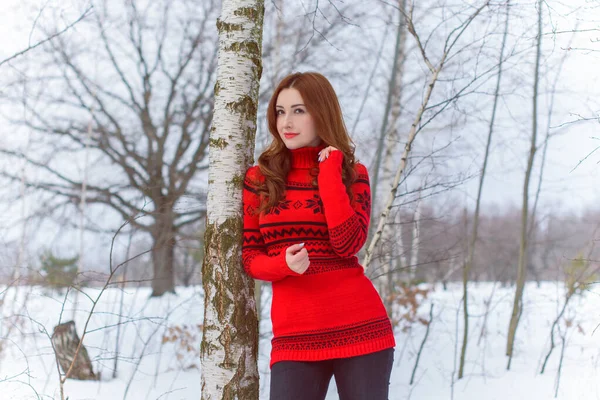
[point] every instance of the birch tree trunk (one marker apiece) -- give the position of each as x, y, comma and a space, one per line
435, 72
416, 242
229, 347
521, 269
469, 263
401, 260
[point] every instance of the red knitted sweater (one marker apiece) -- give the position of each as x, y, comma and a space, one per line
332, 310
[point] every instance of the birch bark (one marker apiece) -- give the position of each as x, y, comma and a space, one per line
229, 346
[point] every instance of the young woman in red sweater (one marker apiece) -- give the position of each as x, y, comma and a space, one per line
306, 215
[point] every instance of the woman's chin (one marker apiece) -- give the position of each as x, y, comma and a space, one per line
292, 146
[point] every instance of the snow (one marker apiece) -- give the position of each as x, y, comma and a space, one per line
152, 368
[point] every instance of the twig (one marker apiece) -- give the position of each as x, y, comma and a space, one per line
412, 377
583, 159
453, 380
435, 72
562, 354
63, 378
555, 325
20, 53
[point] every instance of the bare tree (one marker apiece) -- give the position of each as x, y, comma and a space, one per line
146, 84
389, 135
473, 240
229, 348
393, 98
534, 220
521, 268
579, 275
416, 127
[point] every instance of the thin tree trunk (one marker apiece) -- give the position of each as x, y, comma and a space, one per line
521, 270
277, 70
435, 72
560, 364
82, 209
386, 282
486, 314
369, 82
401, 260
392, 140
414, 371
571, 291
532, 233
229, 349
122, 284
393, 92
552, 328
416, 241
21, 253
392, 195
469, 264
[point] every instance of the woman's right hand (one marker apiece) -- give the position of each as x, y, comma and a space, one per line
296, 258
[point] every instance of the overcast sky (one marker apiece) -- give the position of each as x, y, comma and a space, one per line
564, 188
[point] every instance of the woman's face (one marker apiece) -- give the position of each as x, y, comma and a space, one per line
294, 124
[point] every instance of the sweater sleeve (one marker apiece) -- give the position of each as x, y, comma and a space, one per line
255, 260
348, 223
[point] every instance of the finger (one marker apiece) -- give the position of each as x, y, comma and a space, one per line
300, 256
295, 248
323, 155
305, 267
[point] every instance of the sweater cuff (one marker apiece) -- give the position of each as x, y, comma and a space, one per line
282, 267
334, 160
330, 171
333, 191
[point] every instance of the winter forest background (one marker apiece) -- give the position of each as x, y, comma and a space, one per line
481, 115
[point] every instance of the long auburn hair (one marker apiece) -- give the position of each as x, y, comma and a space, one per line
322, 104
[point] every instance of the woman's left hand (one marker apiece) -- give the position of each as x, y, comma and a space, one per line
324, 154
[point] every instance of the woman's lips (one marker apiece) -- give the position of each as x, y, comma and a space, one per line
290, 135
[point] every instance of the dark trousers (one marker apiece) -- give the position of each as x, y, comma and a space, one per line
357, 378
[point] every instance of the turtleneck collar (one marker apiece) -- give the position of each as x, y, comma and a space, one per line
306, 157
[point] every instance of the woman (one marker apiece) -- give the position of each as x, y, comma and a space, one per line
306, 216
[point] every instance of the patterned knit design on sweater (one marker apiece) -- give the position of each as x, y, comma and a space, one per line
332, 310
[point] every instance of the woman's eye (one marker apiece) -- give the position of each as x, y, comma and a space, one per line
298, 110
279, 112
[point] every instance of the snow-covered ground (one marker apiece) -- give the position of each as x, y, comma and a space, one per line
159, 346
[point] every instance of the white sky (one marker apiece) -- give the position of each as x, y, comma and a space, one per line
564, 189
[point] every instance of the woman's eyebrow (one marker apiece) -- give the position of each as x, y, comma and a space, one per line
293, 105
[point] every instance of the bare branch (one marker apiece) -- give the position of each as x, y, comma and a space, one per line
48, 39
